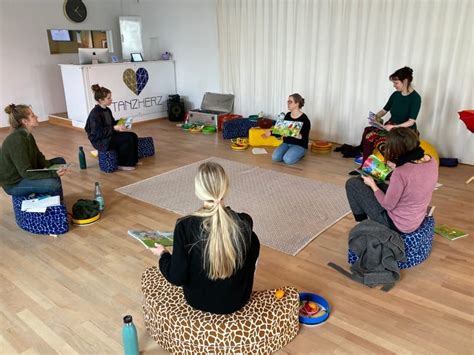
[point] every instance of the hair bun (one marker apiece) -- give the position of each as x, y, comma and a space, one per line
95, 87
9, 109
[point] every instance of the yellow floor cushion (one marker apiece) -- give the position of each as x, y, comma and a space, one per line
256, 140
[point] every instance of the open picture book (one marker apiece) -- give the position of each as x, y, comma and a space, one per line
449, 232
287, 128
149, 238
53, 167
375, 121
127, 122
376, 168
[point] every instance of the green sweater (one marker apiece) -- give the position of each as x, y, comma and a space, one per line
19, 153
402, 107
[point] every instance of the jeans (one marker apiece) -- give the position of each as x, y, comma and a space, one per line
288, 153
364, 203
47, 186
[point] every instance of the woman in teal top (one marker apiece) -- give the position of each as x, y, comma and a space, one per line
403, 105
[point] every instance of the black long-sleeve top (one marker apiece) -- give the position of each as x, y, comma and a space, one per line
303, 142
185, 267
100, 127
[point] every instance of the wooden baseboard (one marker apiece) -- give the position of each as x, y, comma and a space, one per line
58, 121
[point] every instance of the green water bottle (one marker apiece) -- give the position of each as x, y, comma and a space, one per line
82, 158
129, 337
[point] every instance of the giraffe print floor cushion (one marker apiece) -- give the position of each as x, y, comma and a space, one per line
418, 245
54, 221
263, 326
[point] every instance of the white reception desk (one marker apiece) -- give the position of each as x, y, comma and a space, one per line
139, 90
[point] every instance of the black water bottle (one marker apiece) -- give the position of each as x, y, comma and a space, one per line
82, 158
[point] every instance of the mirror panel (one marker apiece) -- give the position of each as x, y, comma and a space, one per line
131, 35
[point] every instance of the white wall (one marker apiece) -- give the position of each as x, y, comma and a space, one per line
30, 74
187, 29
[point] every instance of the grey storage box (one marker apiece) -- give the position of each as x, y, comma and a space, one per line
213, 105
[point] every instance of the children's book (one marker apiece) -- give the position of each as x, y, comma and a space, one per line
375, 121
53, 167
449, 232
287, 128
149, 238
376, 168
127, 122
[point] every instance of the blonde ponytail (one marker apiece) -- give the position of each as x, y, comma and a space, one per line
224, 246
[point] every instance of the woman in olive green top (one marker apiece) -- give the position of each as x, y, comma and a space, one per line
19, 153
403, 105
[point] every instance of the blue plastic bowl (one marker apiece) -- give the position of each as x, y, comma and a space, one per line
307, 296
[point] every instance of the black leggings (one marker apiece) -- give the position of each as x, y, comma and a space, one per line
126, 145
364, 203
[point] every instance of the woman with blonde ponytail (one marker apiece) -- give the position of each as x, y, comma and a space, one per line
214, 249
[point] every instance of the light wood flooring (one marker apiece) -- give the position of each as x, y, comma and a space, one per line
68, 294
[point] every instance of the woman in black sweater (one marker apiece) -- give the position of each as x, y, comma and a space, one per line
105, 134
293, 148
214, 250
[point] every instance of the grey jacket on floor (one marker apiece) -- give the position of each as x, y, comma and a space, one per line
379, 249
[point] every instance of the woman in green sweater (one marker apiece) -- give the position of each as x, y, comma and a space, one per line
19, 153
404, 105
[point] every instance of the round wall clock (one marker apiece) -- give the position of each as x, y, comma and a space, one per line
75, 10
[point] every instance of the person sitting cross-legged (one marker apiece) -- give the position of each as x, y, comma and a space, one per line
214, 249
20, 154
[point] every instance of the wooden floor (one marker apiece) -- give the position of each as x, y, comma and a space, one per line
68, 295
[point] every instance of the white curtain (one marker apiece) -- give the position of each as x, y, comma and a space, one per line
338, 55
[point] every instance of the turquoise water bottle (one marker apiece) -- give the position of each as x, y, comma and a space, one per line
82, 158
129, 336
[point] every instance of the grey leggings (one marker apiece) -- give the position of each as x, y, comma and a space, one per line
364, 203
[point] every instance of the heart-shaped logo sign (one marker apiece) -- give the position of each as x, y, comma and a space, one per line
135, 81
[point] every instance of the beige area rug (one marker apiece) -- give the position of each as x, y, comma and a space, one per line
288, 211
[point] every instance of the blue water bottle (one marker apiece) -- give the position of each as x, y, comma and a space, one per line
129, 336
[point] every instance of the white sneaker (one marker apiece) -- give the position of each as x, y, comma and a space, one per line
126, 168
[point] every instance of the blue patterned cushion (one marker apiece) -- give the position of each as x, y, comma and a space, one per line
146, 148
237, 128
418, 245
53, 221
108, 161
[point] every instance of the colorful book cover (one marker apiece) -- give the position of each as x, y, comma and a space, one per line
287, 128
375, 121
149, 238
127, 122
376, 168
449, 232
